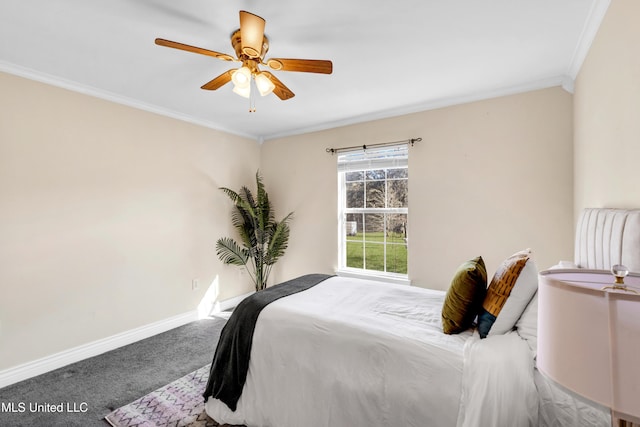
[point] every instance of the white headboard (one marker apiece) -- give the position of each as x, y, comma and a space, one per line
605, 237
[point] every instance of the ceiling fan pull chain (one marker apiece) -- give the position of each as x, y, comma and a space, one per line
252, 96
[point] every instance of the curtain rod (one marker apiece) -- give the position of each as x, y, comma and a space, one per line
410, 141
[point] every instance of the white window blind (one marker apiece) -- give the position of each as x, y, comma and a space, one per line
374, 158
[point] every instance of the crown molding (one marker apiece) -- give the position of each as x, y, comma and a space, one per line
594, 20
563, 81
112, 97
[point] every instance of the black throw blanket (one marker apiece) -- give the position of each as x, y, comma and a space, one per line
231, 359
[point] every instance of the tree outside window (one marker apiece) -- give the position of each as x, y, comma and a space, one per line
374, 208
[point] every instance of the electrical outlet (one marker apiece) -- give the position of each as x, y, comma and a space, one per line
195, 284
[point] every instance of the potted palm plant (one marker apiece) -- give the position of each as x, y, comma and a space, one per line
263, 240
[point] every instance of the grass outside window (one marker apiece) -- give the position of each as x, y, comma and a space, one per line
371, 247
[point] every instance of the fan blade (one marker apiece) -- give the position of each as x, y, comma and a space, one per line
281, 90
182, 46
219, 81
251, 34
303, 65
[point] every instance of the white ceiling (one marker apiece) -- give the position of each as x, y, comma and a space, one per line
389, 57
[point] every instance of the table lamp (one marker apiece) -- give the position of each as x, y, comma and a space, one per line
589, 337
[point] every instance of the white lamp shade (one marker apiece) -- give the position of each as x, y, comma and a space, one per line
625, 309
241, 78
589, 339
264, 84
242, 91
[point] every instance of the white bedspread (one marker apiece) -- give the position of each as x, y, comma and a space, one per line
498, 387
349, 352
562, 408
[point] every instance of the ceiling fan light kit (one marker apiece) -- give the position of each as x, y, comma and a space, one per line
251, 45
244, 92
241, 77
264, 85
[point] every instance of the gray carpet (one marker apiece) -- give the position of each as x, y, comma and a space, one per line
96, 386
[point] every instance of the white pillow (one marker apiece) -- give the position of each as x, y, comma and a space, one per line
526, 285
527, 325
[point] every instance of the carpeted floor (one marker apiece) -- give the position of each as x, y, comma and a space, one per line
90, 389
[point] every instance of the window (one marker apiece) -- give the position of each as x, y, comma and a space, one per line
374, 208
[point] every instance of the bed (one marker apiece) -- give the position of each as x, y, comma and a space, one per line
355, 352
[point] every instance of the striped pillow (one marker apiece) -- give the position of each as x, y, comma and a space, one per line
500, 288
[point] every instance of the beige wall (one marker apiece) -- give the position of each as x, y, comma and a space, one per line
106, 215
489, 178
607, 114
109, 212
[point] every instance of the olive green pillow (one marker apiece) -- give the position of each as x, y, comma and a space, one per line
464, 298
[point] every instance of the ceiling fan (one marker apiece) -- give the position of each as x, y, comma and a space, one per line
251, 45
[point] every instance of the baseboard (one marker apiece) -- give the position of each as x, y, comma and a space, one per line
94, 348
229, 303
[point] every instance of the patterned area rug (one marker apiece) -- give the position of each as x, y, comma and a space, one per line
178, 404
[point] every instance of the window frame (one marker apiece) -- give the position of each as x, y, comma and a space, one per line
343, 211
